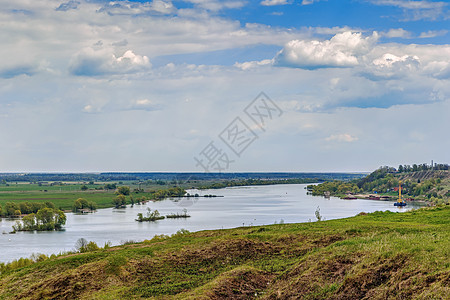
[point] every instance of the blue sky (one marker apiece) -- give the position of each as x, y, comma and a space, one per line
91, 85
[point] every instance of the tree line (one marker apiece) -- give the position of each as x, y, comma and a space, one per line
384, 180
422, 167
13, 209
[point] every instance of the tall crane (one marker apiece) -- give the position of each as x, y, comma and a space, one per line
400, 201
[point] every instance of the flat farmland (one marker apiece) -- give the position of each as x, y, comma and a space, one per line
62, 196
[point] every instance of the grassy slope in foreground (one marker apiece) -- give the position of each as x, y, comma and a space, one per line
376, 256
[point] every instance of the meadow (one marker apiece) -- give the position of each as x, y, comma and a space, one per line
64, 196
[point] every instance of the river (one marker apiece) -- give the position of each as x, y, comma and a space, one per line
239, 206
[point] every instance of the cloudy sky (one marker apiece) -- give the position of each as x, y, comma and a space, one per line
92, 85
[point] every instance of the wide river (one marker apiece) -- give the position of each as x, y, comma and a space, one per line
240, 206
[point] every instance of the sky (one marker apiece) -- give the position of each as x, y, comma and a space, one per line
223, 86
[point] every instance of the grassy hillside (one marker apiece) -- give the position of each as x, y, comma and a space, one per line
376, 256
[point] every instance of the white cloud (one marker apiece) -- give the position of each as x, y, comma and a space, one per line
390, 60
216, 5
344, 137
17, 70
253, 64
46, 34
132, 8
308, 2
366, 57
398, 33
274, 2
340, 51
412, 4
91, 62
417, 10
68, 6
88, 108
145, 104
438, 69
332, 30
121, 43
390, 65
432, 33
164, 7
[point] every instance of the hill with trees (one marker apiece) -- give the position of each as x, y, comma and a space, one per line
421, 182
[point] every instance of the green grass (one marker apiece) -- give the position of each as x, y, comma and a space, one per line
63, 200
26, 187
382, 255
63, 196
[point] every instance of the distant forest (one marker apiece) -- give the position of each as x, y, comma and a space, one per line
113, 176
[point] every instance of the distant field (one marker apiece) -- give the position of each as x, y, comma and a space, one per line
62, 200
62, 196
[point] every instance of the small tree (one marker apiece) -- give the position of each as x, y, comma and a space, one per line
35, 206
29, 221
80, 203
119, 201
49, 204
84, 187
59, 218
92, 205
25, 207
10, 208
152, 214
76, 206
81, 245
91, 246
44, 218
110, 186
317, 213
123, 190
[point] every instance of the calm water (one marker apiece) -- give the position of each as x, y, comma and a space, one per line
240, 206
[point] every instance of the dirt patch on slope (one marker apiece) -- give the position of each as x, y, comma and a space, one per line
70, 284
309, 277
360, 285
240, 284
225, 251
